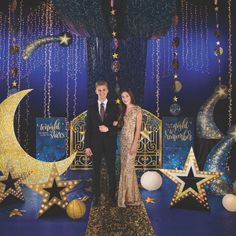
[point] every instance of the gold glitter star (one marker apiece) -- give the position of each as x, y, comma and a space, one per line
222, 91
114, 34
16, 212
191, 181
64, 39
115, 56
145, 134
149, 200
117, 101
54, 191
175, 99
14, 83
113, 12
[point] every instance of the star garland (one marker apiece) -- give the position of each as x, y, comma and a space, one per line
175, 108
54, 191
115, 66
230, 67
190, 181
218, 51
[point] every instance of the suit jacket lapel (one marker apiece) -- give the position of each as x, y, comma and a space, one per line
107, 110
97, 111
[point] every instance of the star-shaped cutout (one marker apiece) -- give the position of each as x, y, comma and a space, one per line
175, 99
115, 56
14, 83
145, 134
149, 200
65, 39
11, 186
54, 191
114, 34
191, 181
113, 12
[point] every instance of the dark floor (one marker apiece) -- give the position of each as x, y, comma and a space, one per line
165, 221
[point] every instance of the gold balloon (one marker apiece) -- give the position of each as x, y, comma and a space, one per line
177, 86
218, 51
76, 209
11, 153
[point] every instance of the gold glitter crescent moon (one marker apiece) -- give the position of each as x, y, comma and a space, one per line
12, 153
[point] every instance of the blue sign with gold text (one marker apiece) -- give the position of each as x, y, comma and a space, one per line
177, 141
50, 138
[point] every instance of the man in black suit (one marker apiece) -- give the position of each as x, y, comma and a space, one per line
100, 140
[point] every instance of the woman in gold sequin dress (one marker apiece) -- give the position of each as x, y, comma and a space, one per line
130, 122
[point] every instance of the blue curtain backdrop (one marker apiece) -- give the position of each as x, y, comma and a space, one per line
74, 69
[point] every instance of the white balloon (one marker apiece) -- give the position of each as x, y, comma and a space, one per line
151, 180
229, 202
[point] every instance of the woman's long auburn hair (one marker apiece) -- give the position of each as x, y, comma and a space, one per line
123, 106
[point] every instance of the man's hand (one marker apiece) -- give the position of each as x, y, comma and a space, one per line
115, 123
103, 128
88, 152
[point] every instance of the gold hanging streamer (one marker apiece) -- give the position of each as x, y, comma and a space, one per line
230, 66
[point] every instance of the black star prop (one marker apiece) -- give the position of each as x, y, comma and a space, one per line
10, 186
190, 182
54, 191
10, 183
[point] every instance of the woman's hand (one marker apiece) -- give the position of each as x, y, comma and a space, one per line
133, 149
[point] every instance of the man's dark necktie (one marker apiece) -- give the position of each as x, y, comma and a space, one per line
102, 111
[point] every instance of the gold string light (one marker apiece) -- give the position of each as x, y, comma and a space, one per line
164, 57
190, 59
230, 65
8, 54
75, 76
218, 51
186, 34
183, 31
196, 64
19, 69
206, 42
201, 38
157, 77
